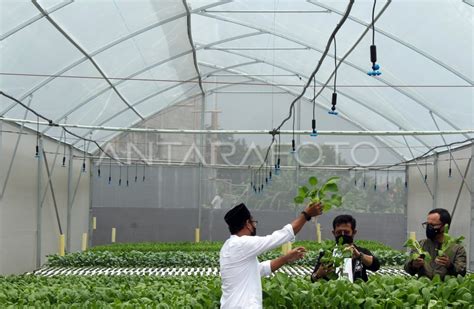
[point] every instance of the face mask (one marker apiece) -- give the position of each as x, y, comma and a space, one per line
346, 239
431, 232
254, 232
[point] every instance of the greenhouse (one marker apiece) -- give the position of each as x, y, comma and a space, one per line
237, 153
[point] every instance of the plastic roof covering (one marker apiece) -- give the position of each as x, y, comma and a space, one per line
424, 43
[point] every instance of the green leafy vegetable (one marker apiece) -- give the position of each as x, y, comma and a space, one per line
334, 255
449, 242
280, 291
327, 193
417, 250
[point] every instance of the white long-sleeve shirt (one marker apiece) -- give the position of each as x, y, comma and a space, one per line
241, 271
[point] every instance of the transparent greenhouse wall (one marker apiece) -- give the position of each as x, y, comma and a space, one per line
166, 206
19, 204
446, 192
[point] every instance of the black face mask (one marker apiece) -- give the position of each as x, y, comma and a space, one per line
346, 239
431, 232
254, 232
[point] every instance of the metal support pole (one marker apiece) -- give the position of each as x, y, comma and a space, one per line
69, 199
7, 176
39, 209
298, 142
460, 188
435, 180
50, 183
200, 172
89, 222
406, 199
471, 228
399, 132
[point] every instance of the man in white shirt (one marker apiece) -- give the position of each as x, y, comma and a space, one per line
239, 266
217, 202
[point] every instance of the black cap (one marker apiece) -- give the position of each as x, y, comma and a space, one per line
237, 215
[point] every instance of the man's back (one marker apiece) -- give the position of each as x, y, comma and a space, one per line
240, 275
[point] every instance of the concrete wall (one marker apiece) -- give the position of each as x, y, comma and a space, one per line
19, 204
161, 224
445, 192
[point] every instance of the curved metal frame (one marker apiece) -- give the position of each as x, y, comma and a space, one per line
398, 40
393, 121
404, 92
82, 50
164, 90
33, 19
201, 11
85, 102
104, 48
290, 92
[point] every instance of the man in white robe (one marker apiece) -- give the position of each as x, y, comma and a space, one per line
239, 266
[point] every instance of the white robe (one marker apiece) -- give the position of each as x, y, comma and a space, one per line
241, 271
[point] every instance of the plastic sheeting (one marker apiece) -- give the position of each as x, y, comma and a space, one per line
424, 47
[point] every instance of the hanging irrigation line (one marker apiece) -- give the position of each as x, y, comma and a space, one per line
52, 124
418, 167
307, 84
354, 46
450, 155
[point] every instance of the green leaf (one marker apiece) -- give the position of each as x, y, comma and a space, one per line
336, 200
331, 187
299, 199
303, 191
326, 207
333, 179
313, 181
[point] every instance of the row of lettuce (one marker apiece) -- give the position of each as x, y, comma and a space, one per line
207, 246
181, 255
281, 291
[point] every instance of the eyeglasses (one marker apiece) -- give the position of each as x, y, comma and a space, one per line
255, 222
426, 224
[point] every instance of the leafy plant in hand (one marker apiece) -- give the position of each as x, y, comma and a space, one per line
417, 250
334, 255
448, 242
327, 194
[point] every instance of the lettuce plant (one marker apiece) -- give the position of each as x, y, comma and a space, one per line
327, 193
448, 242
334, 255
417, 250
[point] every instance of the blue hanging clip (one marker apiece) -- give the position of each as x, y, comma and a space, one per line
375, 70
